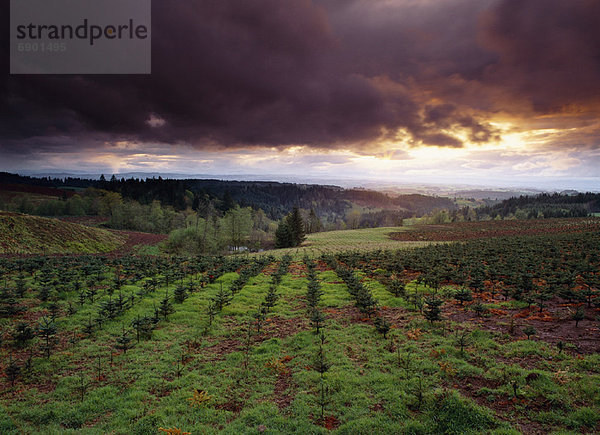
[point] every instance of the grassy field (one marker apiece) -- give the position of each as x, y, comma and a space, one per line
368, 239
24, 234
199, 373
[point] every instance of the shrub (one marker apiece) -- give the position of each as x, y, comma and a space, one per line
584, 418
451, 414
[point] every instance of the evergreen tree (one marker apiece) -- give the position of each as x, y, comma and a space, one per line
313, 223
316, 320
382, 326
290, 231
283, 236
296, 225
23, 333
166, 307
21, 287
47, 332
180, 293
578, 316
228, 202
8, 304
123, 342
12, 371
463, 295
433, 311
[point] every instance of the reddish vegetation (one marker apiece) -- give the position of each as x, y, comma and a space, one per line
281, 394
137, 239
270, 269
329, 422
482, 230
91, 221
297, 270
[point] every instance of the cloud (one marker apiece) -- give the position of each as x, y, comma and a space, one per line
155, 121
548, 52
327, 75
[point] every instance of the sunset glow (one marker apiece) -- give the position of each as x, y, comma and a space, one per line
399, 90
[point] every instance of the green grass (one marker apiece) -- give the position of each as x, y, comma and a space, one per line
367, 239
369, 388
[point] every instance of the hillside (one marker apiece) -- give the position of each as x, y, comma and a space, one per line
546, 206
23, 234
365, 239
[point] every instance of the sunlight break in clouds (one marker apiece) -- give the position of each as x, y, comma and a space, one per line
486, 90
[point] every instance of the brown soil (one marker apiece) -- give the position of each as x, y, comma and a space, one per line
274, 327
553, 324
281, 394
134, 239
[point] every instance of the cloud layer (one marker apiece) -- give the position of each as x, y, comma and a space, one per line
328, 74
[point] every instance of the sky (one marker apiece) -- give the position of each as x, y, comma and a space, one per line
483, 92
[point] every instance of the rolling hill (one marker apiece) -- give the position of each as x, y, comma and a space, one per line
24, 234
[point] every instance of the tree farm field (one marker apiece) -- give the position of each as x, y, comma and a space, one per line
366, 239
496, 335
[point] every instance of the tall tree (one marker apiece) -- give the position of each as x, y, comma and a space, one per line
313, 223
290, 231
296, 225
283, 236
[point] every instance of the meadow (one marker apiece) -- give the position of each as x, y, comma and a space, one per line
366, 239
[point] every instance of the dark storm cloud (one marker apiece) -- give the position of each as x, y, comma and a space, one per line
323, 73
549, 52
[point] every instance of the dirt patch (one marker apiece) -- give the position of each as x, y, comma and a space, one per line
297, 270
552, 324
502, 405
459, 231
231, 406
270, 269
274, 327
322, 266
277, 327
281, 394
349, 314
329, 422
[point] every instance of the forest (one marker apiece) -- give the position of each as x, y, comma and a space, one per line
212, 216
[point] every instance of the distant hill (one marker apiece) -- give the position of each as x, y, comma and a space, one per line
547, 205
24, 234
494, 194
275, 198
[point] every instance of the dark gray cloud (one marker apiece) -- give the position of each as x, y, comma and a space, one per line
549, 52
323, 73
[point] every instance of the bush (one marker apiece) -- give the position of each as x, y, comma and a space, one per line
145, 425
584, 418
451, 414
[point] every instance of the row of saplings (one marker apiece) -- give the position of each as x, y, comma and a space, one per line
526, 288
320, 362
108, 309
367, 305
223, 297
